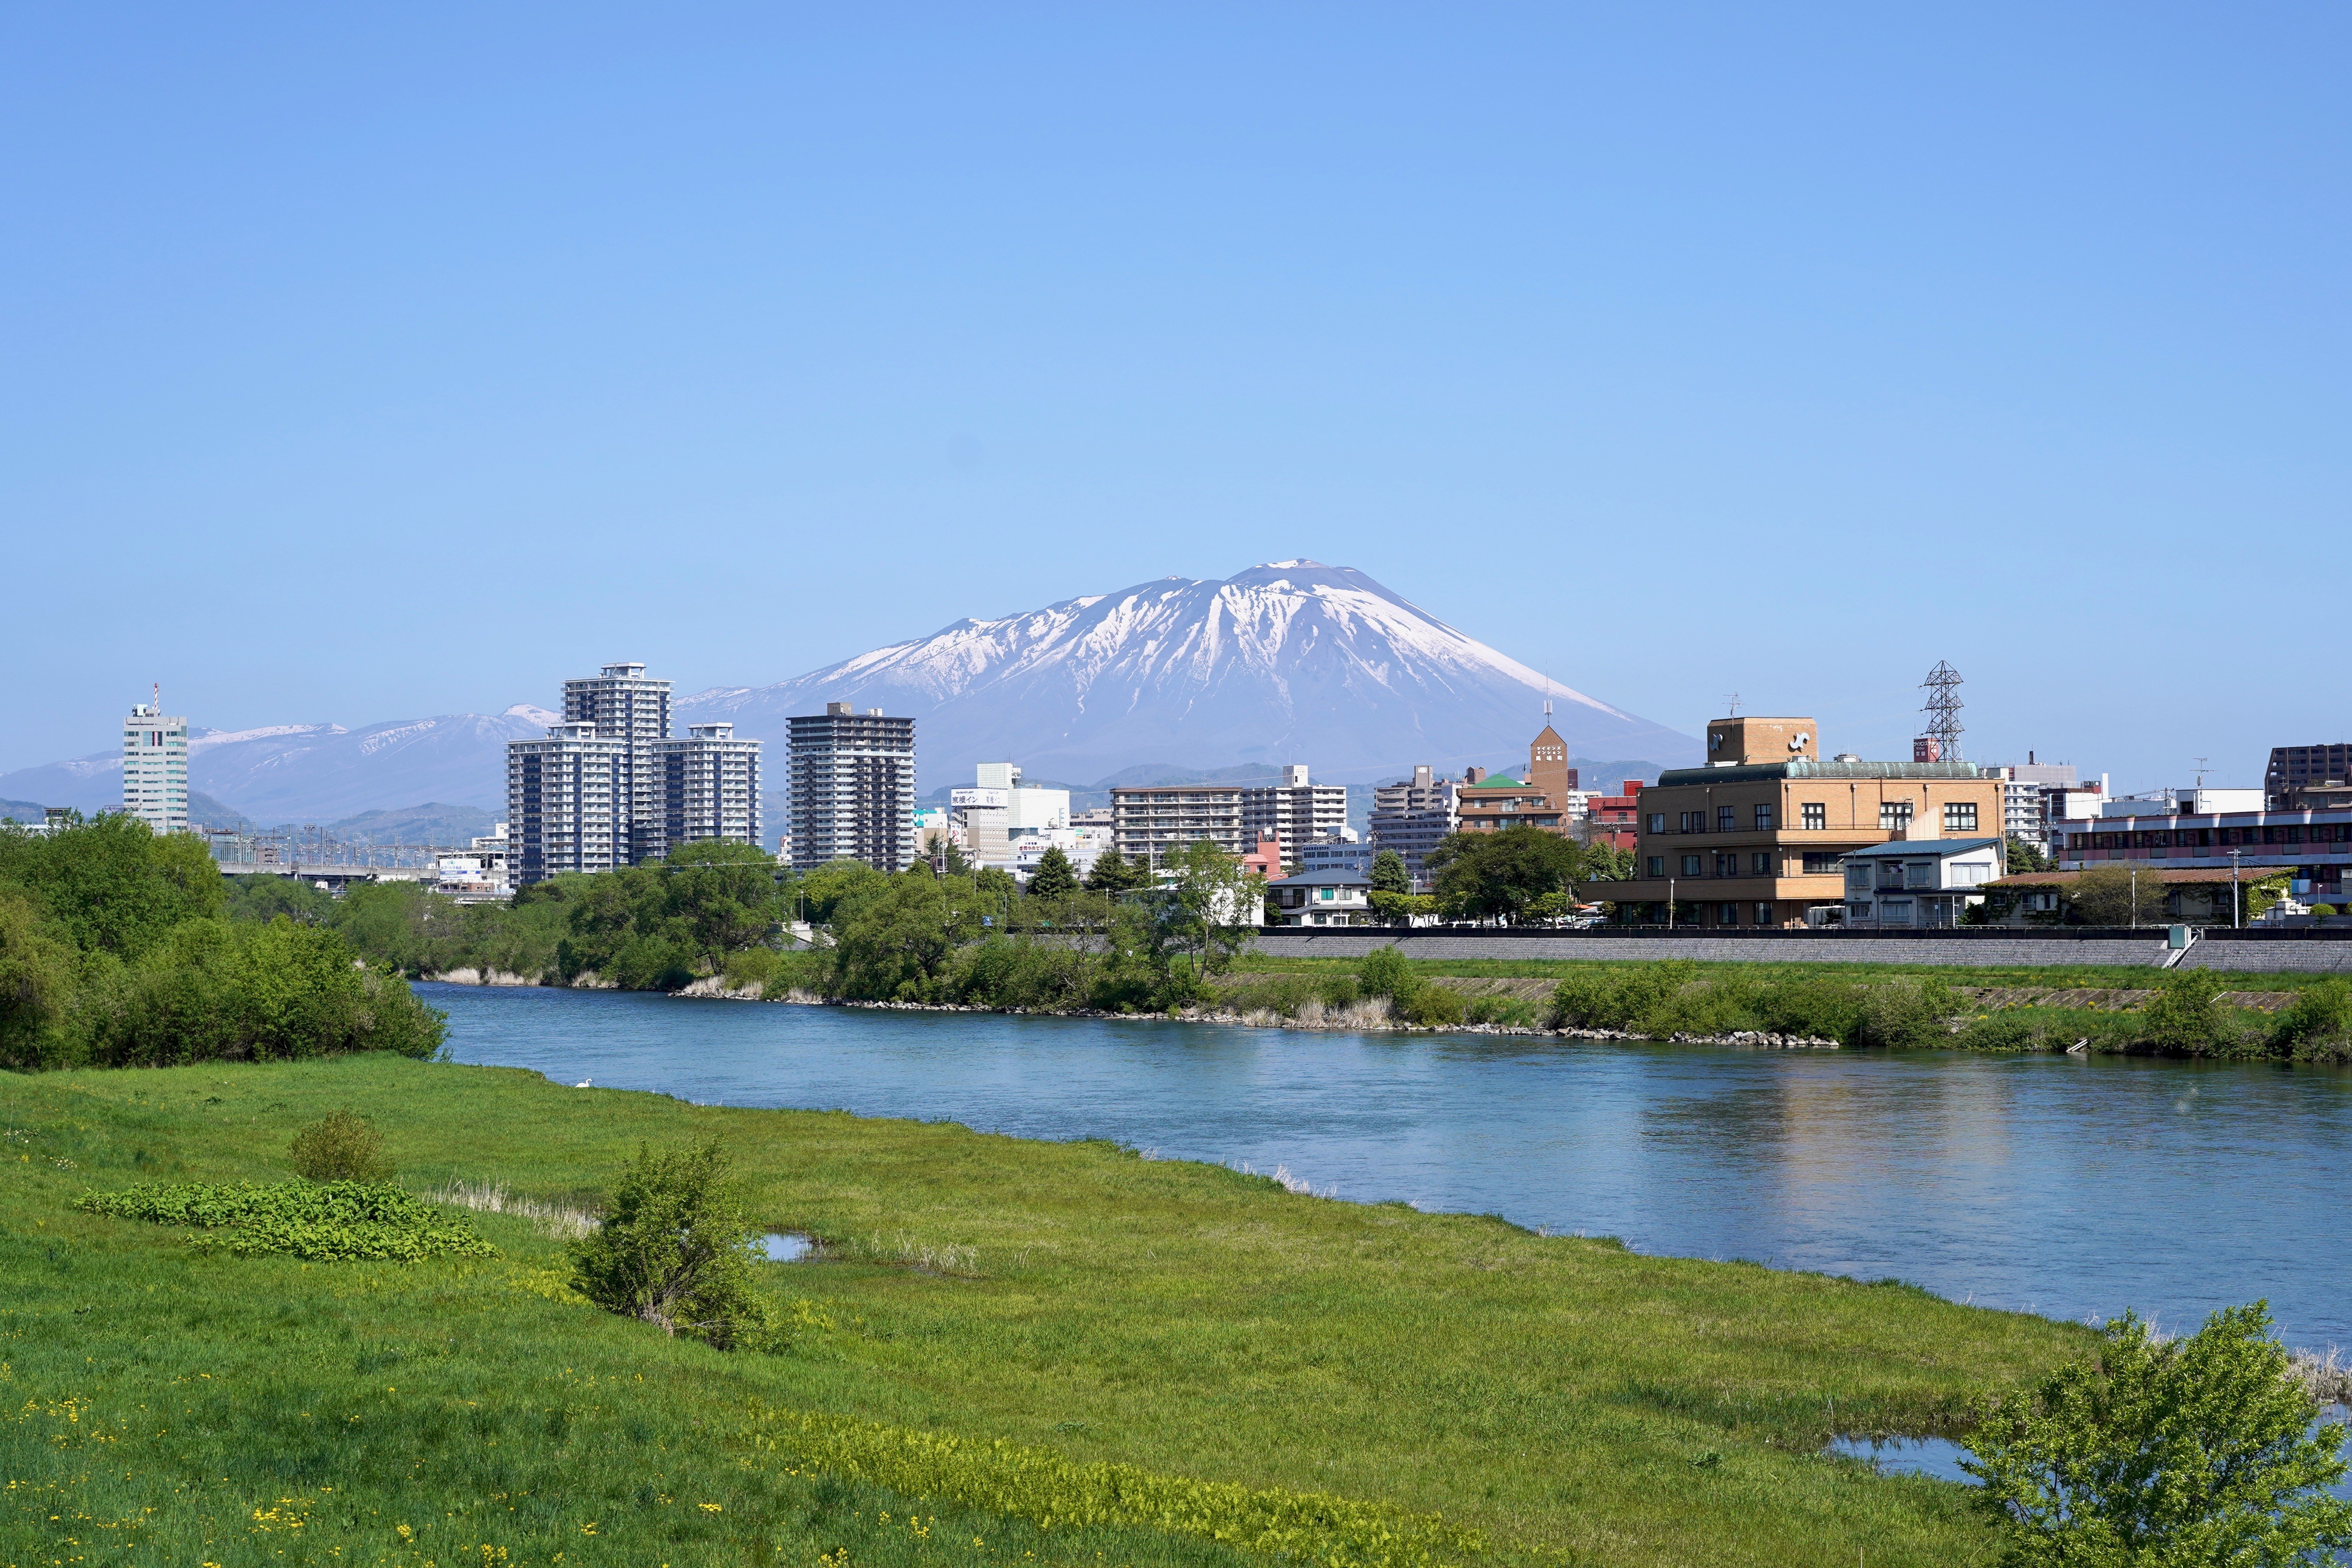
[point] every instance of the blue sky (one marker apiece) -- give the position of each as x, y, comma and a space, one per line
374, 362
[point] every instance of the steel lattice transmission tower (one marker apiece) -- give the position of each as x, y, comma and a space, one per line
1943, 688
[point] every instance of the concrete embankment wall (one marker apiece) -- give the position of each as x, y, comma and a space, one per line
2263, 954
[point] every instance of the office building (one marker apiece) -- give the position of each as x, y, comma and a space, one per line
1413, 815
1541, 800
851, 785
1757, 836
1295, 811
155, 767
567, 803
2294, 769
707, 785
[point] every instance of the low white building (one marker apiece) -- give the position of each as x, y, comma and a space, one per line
1321, 898
1913, 882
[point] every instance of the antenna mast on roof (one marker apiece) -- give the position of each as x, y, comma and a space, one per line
1943, 688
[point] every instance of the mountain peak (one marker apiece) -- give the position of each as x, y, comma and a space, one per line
1289, 661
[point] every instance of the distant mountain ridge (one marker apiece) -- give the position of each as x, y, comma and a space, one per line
1291, 661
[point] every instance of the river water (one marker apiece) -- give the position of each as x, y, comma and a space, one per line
2067, 1186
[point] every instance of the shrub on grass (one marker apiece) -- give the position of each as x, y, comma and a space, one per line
2319, 1026
341, 1147
2199, 1451
1433, 1007
1511, 1011
1384, 972
2186, 1014
2004, 1032
675, 1251
1905, 1014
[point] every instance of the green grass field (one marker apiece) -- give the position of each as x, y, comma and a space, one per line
1570, 1402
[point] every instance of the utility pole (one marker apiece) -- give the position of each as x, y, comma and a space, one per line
2135, 880
2237, 917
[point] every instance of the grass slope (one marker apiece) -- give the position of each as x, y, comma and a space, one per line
1575, 1402
2050, 976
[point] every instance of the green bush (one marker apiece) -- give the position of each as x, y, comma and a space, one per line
341, 1147
327, 1222
1385, 971
1338, 991
676, 1250
1433, 1007
2005, 1032
1905, 1014
2197, 1451
2318, 1025
2186, 1014
1511, 1011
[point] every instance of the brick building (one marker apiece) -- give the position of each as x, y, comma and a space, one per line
1755, 837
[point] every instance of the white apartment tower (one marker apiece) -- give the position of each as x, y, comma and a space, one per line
1295, 811
626, 706
708, 786
610, 788
155, 767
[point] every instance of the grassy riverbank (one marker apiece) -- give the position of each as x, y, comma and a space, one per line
1573, 1402
2055, 976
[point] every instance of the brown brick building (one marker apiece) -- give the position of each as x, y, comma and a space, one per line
1540, 800
1754, 837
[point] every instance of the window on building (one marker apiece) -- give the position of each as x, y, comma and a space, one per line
1658, 822
1894, 815
1691, 866
1728, 914
1815, 815
1763, 818
1759, 864
1692, 822
1763, 914
1657, 865
1727, 819
1820, 862
1959, 816
1727, 865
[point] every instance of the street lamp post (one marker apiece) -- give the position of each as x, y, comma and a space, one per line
2134, 880
2237, 917
1669, 904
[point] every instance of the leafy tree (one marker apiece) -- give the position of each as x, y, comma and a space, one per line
1605, 862
2024, 858
1403, 908
675, 1251
264, 896
996, 886
36, 986
901, 945
1385, 971
1213, 898
2193, 1452
2112, 896
2258, 897
725, 893
1113, 875
1389, 875
2320, 1020
837, 887
1054, 877
1490, 875
111, 885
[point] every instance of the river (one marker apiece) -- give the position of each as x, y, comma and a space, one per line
2062, 1185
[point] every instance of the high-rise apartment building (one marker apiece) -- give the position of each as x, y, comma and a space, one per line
566, 804
625, 705
852, 781
708, 786
155, 767
609, 786
1295, 811
1411, 815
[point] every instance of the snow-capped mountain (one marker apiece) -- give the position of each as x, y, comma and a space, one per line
1293, 661
316, 773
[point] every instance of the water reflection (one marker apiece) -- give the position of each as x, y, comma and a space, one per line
2064, 1185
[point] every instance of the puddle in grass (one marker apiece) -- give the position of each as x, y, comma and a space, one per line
786, 1246
1938, 1458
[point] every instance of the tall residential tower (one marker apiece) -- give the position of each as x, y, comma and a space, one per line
852, 788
